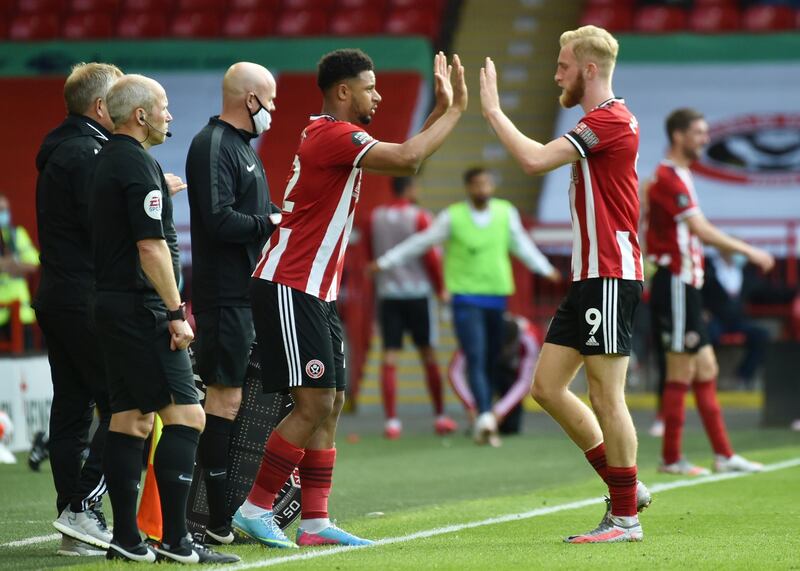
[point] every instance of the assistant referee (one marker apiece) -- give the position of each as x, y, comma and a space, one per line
230, 222
142, 326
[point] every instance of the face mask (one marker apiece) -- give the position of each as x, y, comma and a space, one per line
261, 118
5, 218
738, 260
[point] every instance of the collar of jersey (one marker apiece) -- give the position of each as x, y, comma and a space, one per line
128, 138
609, 101
246, 135
321, 115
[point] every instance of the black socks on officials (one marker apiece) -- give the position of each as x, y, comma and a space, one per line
212, 454
174, 464
122, 464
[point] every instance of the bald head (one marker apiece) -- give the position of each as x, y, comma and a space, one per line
246, 88
132, 92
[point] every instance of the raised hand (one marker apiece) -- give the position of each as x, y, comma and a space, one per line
490, 98
443, 90
459, 85
762, 259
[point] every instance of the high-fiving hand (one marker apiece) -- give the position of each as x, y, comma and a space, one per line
450, 90
490, 98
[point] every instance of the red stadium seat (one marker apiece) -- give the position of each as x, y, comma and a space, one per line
40, 6
272, 6
412, 22
376, 5
143, 5
659, 19
6, 7
728, 3
134, 25
296, 5
34, 27
302, 23
248, 24
88, 25
198, 5
618, 19
427, 5
714, 19
766, 18
609, 3
195, 25
356, 22
108, 6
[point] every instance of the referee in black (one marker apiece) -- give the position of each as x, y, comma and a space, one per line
65, 163
230, 222
142, 326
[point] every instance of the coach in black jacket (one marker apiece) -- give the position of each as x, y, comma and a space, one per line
65, 163
231, 218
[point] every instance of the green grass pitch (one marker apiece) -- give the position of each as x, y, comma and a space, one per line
423, 483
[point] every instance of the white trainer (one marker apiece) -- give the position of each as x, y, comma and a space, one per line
736, 464
84, 526
484, 430
73, 548
683, 468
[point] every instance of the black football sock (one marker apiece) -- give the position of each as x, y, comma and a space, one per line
122, 465
174, 464
212, 453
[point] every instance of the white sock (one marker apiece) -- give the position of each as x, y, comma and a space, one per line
251, 510
315, 525
625, 521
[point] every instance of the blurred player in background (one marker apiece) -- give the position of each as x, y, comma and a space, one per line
297, 279
405, 301
676, 232
592, 326
478, 234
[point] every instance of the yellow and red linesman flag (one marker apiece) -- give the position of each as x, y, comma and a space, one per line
149, 516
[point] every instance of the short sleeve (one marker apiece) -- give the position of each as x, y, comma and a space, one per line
145, 202
597, 131
674, 197
347, 144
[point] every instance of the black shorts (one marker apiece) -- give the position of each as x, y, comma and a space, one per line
596, 317
143, 372
299, 336
677, 310
413, 315
222, 346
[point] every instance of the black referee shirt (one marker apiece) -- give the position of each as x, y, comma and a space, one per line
130, 202
65, 163
229, 209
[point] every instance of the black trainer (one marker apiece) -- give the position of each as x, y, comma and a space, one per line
189, 551
39, 452
222, 535
141, 553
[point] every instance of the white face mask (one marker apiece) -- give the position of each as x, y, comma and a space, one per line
262, 120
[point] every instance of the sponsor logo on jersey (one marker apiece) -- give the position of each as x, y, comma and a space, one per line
586, 134
691, 339
592, 342
682, 200
152, 204
754, 149
315, 369
361, 138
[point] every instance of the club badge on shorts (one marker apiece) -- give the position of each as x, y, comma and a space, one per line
315, 369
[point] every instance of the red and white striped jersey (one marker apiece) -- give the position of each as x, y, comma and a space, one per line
307, 250
670, 243
389, 225
604, 194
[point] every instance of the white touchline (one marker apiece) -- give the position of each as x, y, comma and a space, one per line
500, 519
456, 527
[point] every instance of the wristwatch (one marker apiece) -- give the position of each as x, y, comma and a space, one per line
177, 314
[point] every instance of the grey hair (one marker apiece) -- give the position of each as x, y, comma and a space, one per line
128, 94
88, 82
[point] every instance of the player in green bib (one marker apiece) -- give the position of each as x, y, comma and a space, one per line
478, 235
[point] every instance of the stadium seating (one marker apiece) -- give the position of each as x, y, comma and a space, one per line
299, 5
271, 6
768, 18
34, 27
142, 25
659, 19
711, 19
89, 25
376, 5
412, 21
302, 23
195, 24
248, 24
355, 23
40, 6
143, 5
613, 19
81, 6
